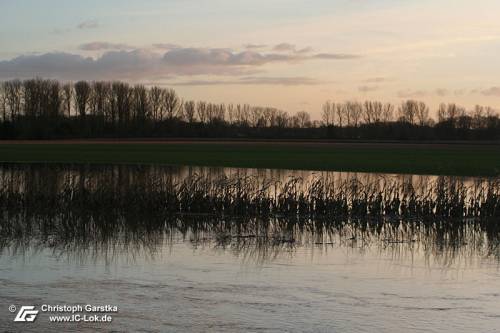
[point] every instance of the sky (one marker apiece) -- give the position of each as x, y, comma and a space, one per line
289, 54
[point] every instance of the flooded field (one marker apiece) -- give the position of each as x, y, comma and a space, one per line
210, 249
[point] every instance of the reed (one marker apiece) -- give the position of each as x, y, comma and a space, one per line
254, 197
251, 214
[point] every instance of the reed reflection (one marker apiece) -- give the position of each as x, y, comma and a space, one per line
103, 211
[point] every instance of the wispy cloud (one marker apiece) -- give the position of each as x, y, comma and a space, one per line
254, 46
98, 46
379, 79
285, 81
492, 91
60, 31
89, 24
412, 93
287, 47
166, 46
366, 89
442, 92
284, 47
85, 25
336, 56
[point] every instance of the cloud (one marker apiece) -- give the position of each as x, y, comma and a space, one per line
411, 93
120, 62
442, 92
304, 50
366, 89
197, 58
287, 47
112, 65
285, 81
376, 80
89, 24
493, 91
254, 46
336, 56
284, 47
221, 57
98, 46
166, 46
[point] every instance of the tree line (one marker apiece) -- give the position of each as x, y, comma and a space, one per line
48, 109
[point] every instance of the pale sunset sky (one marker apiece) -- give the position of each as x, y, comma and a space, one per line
290, 54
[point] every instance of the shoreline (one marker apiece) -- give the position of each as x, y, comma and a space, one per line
403, 158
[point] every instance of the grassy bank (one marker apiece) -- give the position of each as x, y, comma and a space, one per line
444, 159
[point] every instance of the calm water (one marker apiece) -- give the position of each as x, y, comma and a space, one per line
237, 273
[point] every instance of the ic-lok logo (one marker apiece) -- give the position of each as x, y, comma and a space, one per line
26, 313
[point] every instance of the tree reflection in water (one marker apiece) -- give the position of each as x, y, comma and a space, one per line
103, 211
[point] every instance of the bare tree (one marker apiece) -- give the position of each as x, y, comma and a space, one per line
201, 110
99, 99
219, 113
387, 112
243, 114
441, 112
32, 105
477, 116
155, 101
54, 99
141, 103
255, 116
282, 119
171, 103
368, 112
304, 119
3, 102
372, 112
231, 114
328, 115
33, 93
13, 95
120, 102
378, 109
422, 114
189, 111
341, 111
211, 112
67, 98
452, 112
408, 111
82, 96
354, 111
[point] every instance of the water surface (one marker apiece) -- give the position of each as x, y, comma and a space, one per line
229, 273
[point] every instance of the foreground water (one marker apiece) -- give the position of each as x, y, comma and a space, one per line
232, 274
333, 288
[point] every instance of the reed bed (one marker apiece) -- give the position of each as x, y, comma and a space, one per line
254, 197
256, 216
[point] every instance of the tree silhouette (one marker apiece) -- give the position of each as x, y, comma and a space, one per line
39, 108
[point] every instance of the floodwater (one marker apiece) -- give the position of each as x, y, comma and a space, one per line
243, 273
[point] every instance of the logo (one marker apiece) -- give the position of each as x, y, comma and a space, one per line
26, 313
